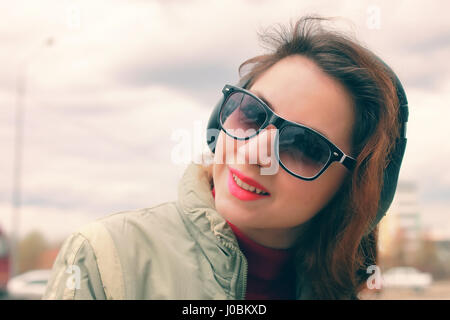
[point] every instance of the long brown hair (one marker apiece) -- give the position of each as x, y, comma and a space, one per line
334, 251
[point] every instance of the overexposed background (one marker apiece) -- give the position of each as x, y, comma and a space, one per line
105, 95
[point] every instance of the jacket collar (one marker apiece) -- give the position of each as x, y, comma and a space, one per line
198, 206
210, 230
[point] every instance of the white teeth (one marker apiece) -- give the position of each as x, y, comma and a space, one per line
247, 187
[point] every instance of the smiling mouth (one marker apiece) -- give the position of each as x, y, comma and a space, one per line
248, 187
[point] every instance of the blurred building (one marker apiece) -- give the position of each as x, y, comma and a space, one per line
400, 229
47, 258
4, 261
443, 253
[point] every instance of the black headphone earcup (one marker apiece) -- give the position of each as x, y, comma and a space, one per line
213, 128
391, 173
390, 180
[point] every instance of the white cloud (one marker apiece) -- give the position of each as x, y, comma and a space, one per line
95, 143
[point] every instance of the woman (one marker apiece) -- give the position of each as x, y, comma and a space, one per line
250, 226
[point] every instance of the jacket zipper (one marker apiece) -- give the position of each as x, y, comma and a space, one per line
244, 261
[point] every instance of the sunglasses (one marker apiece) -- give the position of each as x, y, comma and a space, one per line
301, 151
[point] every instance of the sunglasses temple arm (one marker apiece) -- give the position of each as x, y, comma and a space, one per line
348, 162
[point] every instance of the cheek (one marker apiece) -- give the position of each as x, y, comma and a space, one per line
310, 196
301, 194
224, 142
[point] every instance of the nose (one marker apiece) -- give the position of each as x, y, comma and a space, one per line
258, 149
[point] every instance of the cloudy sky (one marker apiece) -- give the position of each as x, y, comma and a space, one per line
106, 95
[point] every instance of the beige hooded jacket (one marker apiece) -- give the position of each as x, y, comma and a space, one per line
182, 249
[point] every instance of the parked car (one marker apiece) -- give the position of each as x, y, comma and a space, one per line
29, 285
406, 277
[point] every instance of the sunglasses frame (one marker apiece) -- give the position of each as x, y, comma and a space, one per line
336, 154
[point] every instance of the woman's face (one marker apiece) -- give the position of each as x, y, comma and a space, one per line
298, 91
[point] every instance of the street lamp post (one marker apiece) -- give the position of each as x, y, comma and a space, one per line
17, 161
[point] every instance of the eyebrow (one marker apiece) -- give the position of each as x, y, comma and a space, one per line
259, 95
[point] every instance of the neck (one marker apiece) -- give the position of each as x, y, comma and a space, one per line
272, 238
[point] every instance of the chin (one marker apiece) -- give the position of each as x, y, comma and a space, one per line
231, 211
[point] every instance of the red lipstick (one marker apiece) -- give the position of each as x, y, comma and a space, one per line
241, 193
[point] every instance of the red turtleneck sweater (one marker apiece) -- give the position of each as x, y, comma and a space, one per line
271, 273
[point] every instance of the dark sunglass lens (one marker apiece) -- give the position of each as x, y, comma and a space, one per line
302, 151
242, 115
